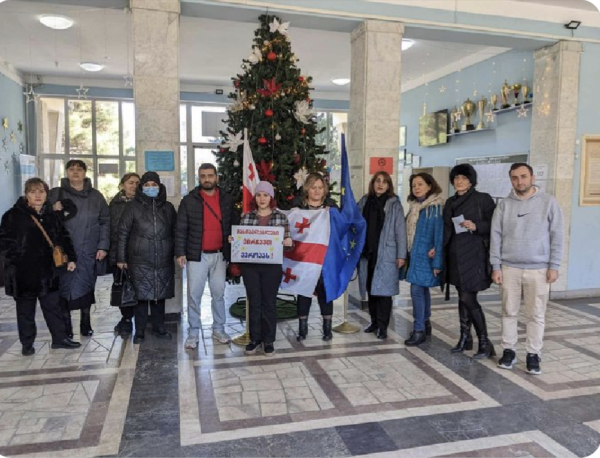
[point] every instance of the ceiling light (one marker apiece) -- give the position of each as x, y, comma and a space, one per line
91, 66
56, 22
341, 81
406, 43
573, 25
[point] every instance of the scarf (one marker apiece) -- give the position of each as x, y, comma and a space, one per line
415, 208
374, 215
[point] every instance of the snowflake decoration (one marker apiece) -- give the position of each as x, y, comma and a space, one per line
522, 112
256, 55
6, 166
82, 91
303, 112
20, 126
234, 142
276, 26
5, 144
128, 80
442, 89
300, 177
490, 116
13, 138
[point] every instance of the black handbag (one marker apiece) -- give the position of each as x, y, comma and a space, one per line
122, 292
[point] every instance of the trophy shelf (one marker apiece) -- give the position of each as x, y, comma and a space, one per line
512, 108
470, 131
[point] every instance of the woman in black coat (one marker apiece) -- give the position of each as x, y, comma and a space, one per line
30, 273
145, 247
128, 186
467, 255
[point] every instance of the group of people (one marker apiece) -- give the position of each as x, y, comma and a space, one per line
466, 241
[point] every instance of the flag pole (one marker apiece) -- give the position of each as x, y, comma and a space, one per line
244, 337
345, 327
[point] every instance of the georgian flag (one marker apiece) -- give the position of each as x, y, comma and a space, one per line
302, 265
249, 176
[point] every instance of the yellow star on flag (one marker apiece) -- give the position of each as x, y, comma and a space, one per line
343, 191
352, 244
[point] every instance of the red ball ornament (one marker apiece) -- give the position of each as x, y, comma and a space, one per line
271, 56
290, 197
236, 83
301, 79
222, 150
262, 140
303, 131
268, 113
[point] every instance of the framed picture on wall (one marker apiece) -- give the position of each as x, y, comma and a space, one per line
402, 142
416, 161
408, 159
590, 171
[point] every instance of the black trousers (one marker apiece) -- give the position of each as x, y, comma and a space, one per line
141, 315
52, 315
262, 283
126, 312
380, 307
305, 302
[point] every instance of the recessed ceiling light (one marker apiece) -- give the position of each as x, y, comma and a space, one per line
91, 66
56, 22
340, 81
407, 43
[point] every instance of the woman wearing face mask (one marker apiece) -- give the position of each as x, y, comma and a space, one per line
127, 188
84, 212
384, 251
146, 247
467, 256
315, 197
262, 280
425, 237
30, 272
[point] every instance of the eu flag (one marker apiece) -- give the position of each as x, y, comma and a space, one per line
346, 240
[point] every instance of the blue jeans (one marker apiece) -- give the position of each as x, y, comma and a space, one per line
421, 302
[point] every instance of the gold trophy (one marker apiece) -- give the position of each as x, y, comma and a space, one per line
505, 94
517, 90
494, 100
481, 107
454, 127
467, 108
525, 93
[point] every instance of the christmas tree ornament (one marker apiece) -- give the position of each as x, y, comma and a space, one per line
271, 88
271, 56
234, 142
236, 83
300, 177
238, 102
268, 113
255, 56
82, 91
303, 112
301, 79
236, 163
265, 171
522, 112
303, 131
262, 141
266, 43
276, 26
277, 137
296, 158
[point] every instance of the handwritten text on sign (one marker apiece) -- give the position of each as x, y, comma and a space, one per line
260, 244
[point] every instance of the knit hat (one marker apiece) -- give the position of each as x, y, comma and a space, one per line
265, 186
465, 170
150, 176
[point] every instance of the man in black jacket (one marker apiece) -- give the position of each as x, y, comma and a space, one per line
203, 226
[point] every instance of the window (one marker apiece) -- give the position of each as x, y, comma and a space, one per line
99, 132
331, 139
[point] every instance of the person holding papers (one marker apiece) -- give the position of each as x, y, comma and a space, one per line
467, 221
262, 280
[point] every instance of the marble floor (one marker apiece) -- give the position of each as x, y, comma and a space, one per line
354, 395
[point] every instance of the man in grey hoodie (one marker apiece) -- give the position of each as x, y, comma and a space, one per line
526, 248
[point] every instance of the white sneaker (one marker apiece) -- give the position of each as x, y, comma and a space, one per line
191, 342
221, 337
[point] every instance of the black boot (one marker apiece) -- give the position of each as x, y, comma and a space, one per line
428, 327
85, 326
327, 335
302, 329
416, 338
486, 349
371, 328
465, 342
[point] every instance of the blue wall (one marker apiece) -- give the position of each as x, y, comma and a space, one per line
12, 106
511, 134
584, 264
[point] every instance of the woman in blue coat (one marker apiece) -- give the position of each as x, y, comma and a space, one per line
425, 234
384, 251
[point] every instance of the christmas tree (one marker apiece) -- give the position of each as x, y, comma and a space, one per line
272, 100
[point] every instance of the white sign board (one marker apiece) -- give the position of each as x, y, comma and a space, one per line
259, 244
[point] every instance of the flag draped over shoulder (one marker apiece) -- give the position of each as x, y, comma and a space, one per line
346, 238
249, 176
302, 265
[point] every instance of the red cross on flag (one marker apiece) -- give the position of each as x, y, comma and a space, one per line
249, 176
302, 266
